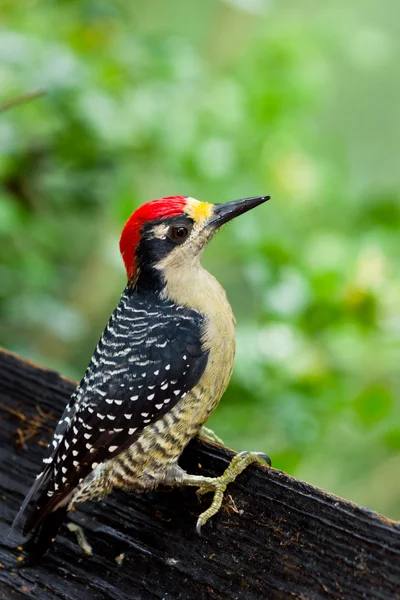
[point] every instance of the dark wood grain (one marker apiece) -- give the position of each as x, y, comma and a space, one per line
276, 537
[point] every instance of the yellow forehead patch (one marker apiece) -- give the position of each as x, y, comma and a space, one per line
198, 211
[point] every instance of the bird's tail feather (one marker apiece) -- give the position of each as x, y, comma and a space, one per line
43, 535
40, 480
47, 516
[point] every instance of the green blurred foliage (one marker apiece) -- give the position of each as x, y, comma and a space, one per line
220, 100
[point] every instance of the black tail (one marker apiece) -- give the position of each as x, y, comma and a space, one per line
46, 518
43, 535
40, 481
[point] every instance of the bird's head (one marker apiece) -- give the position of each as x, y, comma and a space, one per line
173, 232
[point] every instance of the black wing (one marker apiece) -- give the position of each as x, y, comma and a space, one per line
149, 356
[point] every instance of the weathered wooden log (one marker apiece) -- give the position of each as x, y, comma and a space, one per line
274, 538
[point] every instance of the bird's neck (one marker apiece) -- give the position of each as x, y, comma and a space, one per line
190, 285
147, 280
196, 288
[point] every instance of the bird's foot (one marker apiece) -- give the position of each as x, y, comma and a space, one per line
217, 485
208, 434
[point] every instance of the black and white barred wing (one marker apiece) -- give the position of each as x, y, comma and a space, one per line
147, 360
143, 381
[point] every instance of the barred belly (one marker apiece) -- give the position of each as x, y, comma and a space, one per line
144, 465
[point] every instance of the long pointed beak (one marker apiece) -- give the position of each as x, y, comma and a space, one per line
222, 213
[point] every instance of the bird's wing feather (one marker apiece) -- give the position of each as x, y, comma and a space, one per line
148, 358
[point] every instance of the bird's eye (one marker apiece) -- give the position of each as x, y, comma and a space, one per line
178, 234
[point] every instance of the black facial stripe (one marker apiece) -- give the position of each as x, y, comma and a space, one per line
179, 221
151, 250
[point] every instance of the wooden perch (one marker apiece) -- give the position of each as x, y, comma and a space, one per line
274, 538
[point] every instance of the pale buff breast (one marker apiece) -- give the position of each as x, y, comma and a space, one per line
207, 296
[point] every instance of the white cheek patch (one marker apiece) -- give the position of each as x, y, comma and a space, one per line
160, 231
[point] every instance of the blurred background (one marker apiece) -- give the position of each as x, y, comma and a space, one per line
220, 100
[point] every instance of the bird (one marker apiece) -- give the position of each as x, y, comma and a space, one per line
160, 368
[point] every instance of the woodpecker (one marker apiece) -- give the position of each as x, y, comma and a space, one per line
159, 370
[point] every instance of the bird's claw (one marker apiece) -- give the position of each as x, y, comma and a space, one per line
198, 526
258, 455
203, 490
218, 485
